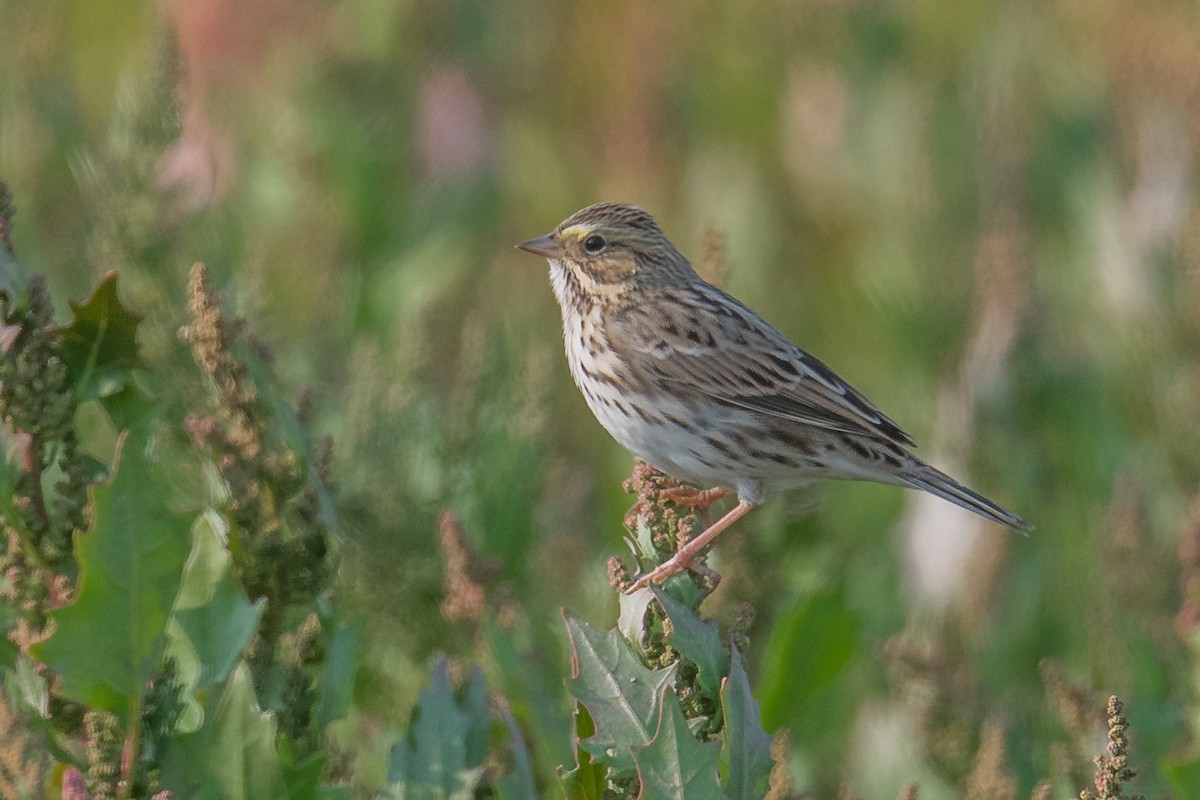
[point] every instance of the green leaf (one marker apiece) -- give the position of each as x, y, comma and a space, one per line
643, 543
632, 614
233, 757
519, 785
211, 610
745, 747
621, 694
432, 763
697, 640
100, 343
588, 779
107, 642
14, 450
131, 408
335, 689
9, 652
26, 688
302, 780
212, 621
479, 721
674, 764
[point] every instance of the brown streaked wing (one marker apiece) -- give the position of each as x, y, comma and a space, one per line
702, 338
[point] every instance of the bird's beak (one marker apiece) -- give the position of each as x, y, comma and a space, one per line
546, 246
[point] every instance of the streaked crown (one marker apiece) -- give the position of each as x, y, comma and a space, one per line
611, 247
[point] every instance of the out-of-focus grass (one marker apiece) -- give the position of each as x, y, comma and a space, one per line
982, 215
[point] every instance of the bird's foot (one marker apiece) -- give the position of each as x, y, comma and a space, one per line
699, 499
683, 558
668, 569
659, 574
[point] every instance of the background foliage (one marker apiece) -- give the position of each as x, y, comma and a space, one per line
983, 215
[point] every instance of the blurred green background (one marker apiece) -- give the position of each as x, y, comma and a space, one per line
984, 215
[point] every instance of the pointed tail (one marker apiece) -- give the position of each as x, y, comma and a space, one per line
921, 476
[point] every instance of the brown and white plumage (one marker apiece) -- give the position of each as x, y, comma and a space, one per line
693, 382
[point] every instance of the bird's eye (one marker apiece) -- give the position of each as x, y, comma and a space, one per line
594, 244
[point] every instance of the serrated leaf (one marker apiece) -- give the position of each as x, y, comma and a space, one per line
622, 695
211, 622
633, 606
674, 766
587, 780
642, 545
130, 408
234, 756
431, 764
684, 589
26, 688
100, 343
212, 609
643, 538
583, 782
106, 643
745, 746
697, 640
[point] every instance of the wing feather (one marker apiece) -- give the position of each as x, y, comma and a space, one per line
703, 339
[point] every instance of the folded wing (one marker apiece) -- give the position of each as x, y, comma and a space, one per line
700, 339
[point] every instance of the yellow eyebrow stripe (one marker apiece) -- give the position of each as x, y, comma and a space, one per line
576, 231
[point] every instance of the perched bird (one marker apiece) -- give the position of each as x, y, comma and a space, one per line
696, 384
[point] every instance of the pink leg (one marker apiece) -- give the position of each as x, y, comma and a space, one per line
695, 498
681, 559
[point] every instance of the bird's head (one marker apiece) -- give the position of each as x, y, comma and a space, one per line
607, 249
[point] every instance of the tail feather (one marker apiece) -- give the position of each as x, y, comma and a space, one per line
929, 479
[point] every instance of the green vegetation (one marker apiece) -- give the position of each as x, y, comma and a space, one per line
326, 518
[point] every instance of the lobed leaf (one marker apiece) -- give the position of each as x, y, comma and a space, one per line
674, 766
745, 747
211, 622
106, 643
432, 763
26, 688
234, 756
633, 606
696, 640
100, 343
622, 695
588, 779
212, 610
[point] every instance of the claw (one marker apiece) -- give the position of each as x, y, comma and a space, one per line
683, 558
699, 499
